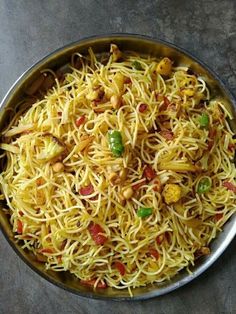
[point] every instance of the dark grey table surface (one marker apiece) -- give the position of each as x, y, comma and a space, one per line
29, 29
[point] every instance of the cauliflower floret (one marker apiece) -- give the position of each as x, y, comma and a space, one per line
171, 193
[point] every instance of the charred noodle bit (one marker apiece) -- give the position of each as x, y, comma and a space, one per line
122, 173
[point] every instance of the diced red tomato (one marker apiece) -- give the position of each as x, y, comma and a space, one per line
96, 233
46, 250
157, 185
80, 120
160, 238
149, 173
230, 186
168, 135
154, 253
19, 227
142, 108
137, 186
121, 267
218, 216
87, 190
231, 147
91, 283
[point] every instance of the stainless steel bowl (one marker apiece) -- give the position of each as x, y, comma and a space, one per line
143, 45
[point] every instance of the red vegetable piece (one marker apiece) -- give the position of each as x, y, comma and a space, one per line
121, 267
230, 186
137, 186
160, 238
218, 216
231, 147
142, 108
166, 102
80, 120
154, 253
157, 185
46, 250
127, 80
96, 233
211, 135
149, 173
87, 190
168, 135
91, 283
19, 227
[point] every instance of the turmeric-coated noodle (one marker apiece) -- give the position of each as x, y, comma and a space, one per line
122, 173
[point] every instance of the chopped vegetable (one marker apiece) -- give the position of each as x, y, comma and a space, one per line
149, 173
144, 212
171, 193
115, 142
137, 186
192, 223
137, 65
91, 283
219, 216
18, 129
51, 147
157, 185
96, 232
231, 147
168, 135
46, 250
80, 121
121, 267
142, 108
211, 136
115, 52
204, 185
230, 186
205, 250
84, 143
10, 148
19, 226
166, 102
114, 178
164, 67
116, 101
154, 253
204, 120
177, 166
87, 190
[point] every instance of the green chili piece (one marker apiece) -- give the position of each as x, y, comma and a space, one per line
204, 120
144, 212
137, 65
204, 186
115, 143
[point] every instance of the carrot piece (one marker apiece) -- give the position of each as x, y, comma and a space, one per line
121, 267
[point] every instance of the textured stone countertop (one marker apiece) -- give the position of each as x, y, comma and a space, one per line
30, 29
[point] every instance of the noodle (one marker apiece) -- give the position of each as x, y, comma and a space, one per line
121, 215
